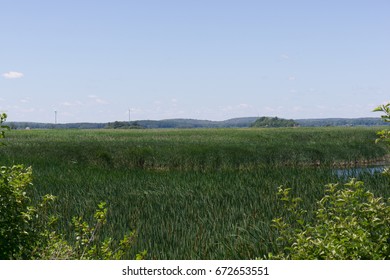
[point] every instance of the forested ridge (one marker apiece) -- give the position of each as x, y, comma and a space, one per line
194, 123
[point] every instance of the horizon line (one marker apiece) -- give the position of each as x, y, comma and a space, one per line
207, 120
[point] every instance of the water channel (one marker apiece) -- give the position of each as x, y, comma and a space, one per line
356, 171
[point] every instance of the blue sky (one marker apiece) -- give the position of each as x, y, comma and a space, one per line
92, 61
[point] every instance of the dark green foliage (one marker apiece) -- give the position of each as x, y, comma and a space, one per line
273, 122
123, 125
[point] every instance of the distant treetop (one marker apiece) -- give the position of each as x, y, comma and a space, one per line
273, 122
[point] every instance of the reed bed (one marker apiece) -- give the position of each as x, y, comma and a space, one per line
191, 194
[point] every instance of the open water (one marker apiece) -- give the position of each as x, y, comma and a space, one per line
355, 172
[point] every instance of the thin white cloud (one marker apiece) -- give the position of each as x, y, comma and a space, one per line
236, 109
277, 109
66, 103
291, 78
244, 106
296, 109
71, 104
27, 110
101, 101
97, 99
13, 75
226, 108
321, 107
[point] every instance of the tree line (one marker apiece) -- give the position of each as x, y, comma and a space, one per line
193, 123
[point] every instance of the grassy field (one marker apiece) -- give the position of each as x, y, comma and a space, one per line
191, 194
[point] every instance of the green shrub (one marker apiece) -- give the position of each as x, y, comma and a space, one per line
20, 222
349, 223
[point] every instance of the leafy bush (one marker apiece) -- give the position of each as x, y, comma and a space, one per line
384, 135
350, 223
20, 222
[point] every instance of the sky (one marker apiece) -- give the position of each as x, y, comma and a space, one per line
102, 61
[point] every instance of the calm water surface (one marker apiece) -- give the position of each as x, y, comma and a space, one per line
355, 172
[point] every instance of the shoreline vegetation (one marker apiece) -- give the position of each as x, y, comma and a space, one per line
192, 193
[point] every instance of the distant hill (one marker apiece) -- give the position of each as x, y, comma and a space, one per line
193, 123
169, 123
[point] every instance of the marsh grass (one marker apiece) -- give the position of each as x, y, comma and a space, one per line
191, 194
